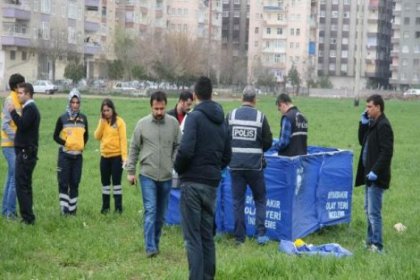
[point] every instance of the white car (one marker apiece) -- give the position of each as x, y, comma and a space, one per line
412, 92
44, 86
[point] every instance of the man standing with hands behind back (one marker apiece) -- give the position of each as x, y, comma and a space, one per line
374, 168
204, 151
251, 137
26, 147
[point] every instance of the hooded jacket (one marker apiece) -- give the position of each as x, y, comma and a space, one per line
205, 146
71, 129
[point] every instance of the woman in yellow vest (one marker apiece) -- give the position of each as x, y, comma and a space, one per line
111, 132
8, 131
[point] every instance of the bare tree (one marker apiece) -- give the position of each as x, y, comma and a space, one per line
180, 58
53, 44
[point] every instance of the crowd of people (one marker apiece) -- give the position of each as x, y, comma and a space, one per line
194, 145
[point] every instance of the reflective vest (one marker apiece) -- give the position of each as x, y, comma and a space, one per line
13, 99
298, 139
245, 128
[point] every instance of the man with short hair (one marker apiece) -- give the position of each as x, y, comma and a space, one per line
294, 128
204, 151
251, 137
154, 143
183, 106
8, 132
26, 147
374, 169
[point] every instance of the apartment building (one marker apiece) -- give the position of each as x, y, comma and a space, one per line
37, 37
338, 55
282, 34
405, 40
235, 30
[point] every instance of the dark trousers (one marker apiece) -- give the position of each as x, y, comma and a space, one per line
111, 169
255, 180
197, 210
24, 167
69, 173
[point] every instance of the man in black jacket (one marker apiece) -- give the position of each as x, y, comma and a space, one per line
26, 147
374, 169
204, 151
183, 106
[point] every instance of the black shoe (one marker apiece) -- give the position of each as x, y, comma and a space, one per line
118, 210
104, 211
152, 254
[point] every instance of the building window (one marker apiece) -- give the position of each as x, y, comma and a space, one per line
344, 53
417, 34
297, 31
416, 62
46, 6
12, 55
334, 14
279, 31
418, 20
406, 35
291, 45
418, 6
257, 30
255, 43
279, 17
404, 62
71, 35
332, 53
24, 55
292, 31
331, 67
344, 67
268, 30
45, 30
345, 41
406, 20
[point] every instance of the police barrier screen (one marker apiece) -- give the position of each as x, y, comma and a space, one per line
304, 193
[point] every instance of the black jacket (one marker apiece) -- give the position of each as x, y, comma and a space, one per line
205, 146
380, 140
27, 133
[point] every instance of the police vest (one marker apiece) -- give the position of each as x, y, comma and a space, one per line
298, 139
245, 126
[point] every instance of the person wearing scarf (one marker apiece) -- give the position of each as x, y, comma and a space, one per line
71, 133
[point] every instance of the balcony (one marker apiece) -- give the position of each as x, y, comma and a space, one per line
92, 48
92, 4
91, 26
272, 9
16, 40
16, 11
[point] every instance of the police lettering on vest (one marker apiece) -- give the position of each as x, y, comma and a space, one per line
245, 125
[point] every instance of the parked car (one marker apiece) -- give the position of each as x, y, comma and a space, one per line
63, 85
44, 86
412, 92
124, 86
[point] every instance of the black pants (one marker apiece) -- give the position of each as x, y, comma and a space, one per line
198, 203
24, 167
69, 173
111, 169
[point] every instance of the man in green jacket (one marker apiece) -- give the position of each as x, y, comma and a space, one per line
154, 143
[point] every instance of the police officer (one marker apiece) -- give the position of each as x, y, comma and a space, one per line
251, 137
294, 128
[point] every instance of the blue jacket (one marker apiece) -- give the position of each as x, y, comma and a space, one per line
205, 147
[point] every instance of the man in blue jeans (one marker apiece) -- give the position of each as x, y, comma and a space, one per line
374, 168
8, 132
154, 143
204, 151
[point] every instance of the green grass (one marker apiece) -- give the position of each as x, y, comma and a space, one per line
93, 246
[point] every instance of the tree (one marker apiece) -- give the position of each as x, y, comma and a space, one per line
74, 71
294, 78
115, 69
233, 70
138, 72
324, 82
52, 45
179, 59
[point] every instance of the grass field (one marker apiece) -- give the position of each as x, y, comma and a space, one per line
93, 246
